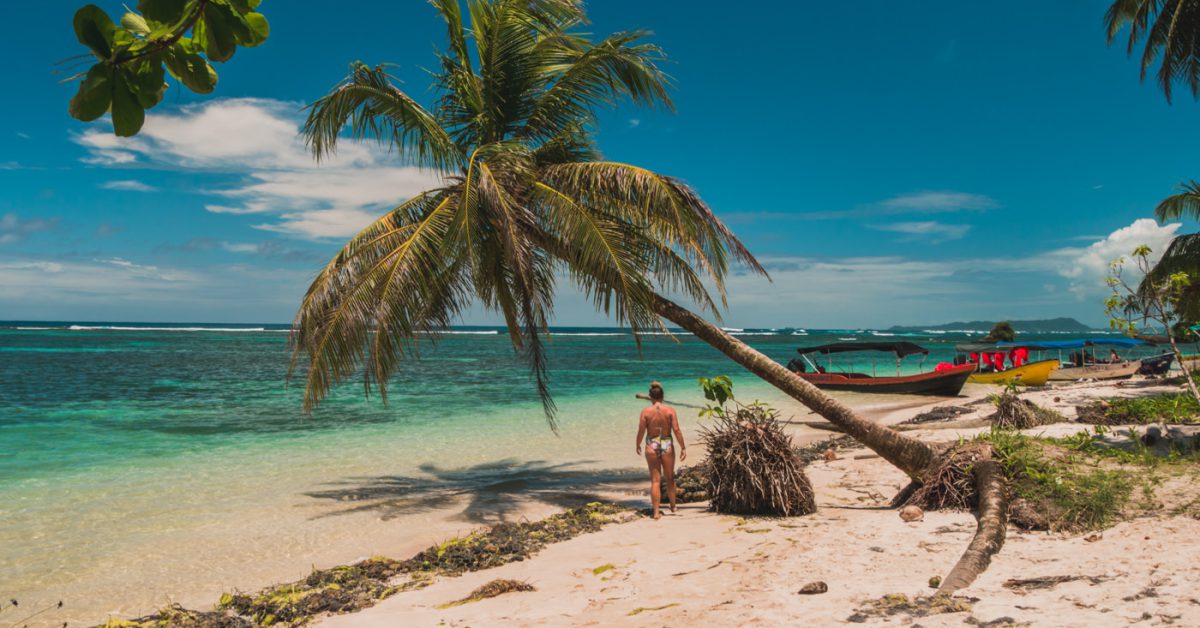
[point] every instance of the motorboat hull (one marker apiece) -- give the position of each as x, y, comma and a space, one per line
1122, 370
946, 383
1032, 374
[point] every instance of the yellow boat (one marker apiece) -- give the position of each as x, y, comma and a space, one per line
1032, 374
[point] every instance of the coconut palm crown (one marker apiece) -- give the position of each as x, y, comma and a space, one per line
524, 198
1170, 29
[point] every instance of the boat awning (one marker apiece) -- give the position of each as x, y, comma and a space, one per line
901, 349
1053, 345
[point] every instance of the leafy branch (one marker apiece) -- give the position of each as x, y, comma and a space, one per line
1154, 299
176, 37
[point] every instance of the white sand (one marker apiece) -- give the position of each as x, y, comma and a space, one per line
699, 567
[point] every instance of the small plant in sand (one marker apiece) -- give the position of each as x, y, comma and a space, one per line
752, 465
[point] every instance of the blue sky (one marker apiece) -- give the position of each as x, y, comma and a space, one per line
890, 163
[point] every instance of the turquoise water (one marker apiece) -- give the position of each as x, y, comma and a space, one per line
140, 462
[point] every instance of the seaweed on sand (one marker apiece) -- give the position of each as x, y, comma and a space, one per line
919, 606
492, 589
178, 617
349, 588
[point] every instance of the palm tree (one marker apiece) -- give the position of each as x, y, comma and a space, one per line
1171, 29
525, 199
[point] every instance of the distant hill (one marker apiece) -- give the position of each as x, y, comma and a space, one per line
1040, 326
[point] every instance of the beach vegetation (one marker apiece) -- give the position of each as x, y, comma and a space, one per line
1057, 485
1157, 299
132, 57
1170, 408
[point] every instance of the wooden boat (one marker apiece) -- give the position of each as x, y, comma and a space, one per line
1119, 370
947, 382
1031, 374
1158, 364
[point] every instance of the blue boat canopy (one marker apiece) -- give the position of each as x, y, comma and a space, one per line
1056, 345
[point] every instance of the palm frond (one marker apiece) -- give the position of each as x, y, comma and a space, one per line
1181, 256
582, 78
1171, 29
1186, 204
374, 108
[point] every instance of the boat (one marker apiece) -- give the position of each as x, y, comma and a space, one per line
1158, 364
1080, 368
1031, 374
946, 382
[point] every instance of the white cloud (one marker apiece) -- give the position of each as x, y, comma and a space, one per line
23, 135
934, 202
927, 229
128, 185
259, 140
1086, 267
239, 247
916, 203
634, 123
13, 228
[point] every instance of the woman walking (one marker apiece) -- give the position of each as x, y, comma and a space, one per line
659, 426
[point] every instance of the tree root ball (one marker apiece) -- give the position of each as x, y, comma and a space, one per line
752, 466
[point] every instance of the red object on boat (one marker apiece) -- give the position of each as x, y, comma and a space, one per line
998, 360
986, 358
941, 366
1018, 356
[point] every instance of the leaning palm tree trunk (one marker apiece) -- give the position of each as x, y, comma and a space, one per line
916, 458
910, 455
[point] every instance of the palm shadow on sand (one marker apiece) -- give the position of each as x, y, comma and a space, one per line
489, 493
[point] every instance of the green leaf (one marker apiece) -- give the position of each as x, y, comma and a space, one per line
163, 11
95, 30
258, 28
136, 24
145, 80
127, 113
191, 69
220, 41
94, 95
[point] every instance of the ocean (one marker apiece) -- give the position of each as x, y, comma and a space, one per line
144, 464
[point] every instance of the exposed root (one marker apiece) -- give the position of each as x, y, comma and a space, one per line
1016, 413
752, 466
991, 488
949, 485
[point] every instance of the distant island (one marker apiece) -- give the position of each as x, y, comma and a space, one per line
1037, 326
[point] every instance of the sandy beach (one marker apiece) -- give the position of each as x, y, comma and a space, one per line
698, 566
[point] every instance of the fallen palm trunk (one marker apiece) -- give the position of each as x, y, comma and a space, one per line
991, 487
919, 460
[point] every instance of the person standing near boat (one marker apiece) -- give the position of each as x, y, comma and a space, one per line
659, 426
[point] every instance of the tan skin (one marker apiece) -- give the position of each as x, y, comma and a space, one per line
660, 420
